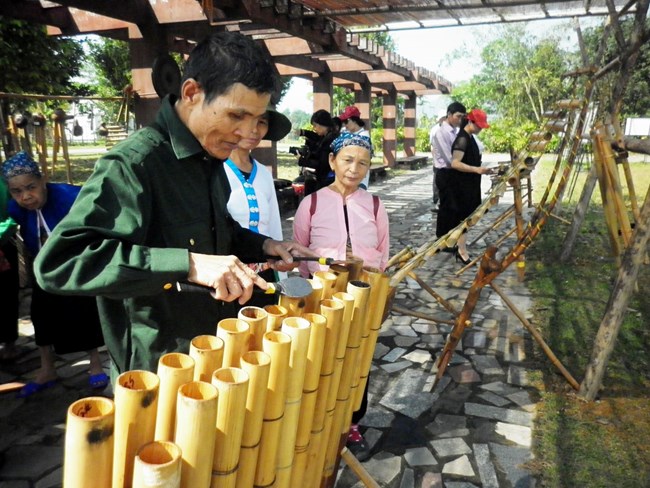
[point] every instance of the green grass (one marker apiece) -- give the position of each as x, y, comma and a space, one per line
605, 443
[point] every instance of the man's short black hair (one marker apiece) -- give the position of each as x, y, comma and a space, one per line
456, 107
225, 58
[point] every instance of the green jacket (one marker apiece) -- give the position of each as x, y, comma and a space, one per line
7, 224
150, 201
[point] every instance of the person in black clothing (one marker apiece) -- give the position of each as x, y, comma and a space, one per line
318, 149
466, 172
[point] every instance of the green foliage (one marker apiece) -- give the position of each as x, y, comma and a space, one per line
111, 64
504, 135
33, 62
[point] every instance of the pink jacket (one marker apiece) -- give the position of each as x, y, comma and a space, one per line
325, 232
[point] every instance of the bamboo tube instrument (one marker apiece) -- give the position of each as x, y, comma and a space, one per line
157, 464
88, 450
234, 333
136, 402
342, 274
309, 393
232, 384
277, 345
299, 330
295, 305
312, 301
276, 314
328, 280
257, 318
207, 352
258, 366
196, 414
332, 310
174, 369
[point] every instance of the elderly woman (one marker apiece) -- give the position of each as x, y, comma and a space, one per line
61, 323
466, 172
342, 221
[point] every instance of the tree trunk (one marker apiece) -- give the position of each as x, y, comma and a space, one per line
637, 145
617, 305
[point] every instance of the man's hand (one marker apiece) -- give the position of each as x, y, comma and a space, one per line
285, 250
230, 278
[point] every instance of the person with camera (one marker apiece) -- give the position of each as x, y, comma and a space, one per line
314, 155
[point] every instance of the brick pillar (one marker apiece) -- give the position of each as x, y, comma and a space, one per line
143, 51
389, 113
362, 100
323, 89
409, 124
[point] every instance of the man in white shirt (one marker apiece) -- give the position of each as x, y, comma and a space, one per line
442, 115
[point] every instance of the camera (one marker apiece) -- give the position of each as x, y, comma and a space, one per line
302, 151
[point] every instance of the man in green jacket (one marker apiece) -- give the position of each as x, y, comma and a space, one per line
154, 212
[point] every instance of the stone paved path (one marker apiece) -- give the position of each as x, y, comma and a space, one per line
473, 430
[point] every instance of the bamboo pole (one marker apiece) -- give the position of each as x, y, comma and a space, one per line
360, 293
258, 366
88, 450
136, 402
309, 393
332, 310
257, 318
358, 469
157, 464
312, 304
277, 345
295, 305
174, 369
232, 384
196, 415
207, 352
328, 280
276, 314
234, 333
299, 330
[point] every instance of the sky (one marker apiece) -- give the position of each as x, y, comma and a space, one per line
433, 49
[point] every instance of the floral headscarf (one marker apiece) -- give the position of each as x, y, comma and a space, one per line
349, 139
20, 164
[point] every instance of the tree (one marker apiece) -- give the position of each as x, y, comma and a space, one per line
110, 64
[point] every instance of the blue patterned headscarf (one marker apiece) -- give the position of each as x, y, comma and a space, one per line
20, 164
349, 139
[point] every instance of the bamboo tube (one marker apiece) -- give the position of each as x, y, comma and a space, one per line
258, 365
555, 125
309, 393
376, 304
540, 135
276, 314
342, 273
277, 345
174, 369
332, 310
312, 304
234, 333
256, 317
196, 415
136, 402
328, 281
88, 452
537, 146
157, 465
299, 330
232, 384
569, 103
295, 305
207, 352
355, 266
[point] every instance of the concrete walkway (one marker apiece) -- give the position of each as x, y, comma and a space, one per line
473, 430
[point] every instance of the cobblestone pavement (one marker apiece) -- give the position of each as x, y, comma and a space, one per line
473, 430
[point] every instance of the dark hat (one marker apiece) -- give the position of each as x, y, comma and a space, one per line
478, 117
350, 111
322, 117
279, 125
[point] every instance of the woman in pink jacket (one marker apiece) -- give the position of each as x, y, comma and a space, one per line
342, 221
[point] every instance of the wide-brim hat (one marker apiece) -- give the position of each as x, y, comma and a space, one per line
350, 111
279, 125
478, 117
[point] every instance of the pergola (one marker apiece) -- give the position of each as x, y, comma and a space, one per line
314, 39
